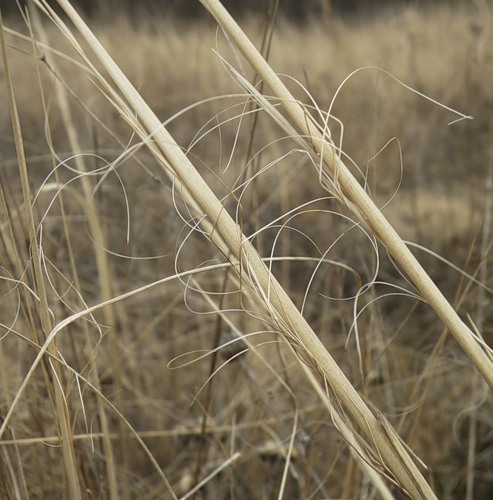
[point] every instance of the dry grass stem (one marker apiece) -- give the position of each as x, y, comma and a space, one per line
352, 194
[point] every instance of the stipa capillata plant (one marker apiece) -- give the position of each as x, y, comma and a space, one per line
374, 443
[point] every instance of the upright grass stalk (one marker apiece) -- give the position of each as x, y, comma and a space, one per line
387, 453
102, 264
55, 376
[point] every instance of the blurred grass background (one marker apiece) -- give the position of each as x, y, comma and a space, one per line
434, 177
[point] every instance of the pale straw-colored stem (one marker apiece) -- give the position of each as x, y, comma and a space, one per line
355, 193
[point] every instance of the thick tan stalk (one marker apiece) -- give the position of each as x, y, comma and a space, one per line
372, 216
388, 455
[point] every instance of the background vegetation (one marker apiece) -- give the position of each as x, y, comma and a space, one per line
153, 354
292, 9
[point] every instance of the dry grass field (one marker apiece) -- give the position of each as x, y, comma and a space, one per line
164, 372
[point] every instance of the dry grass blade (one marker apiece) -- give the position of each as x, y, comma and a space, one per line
227, 236
202, 483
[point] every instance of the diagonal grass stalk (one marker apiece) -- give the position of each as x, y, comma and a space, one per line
354, 194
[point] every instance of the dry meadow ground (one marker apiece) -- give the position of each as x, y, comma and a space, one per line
187, 382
